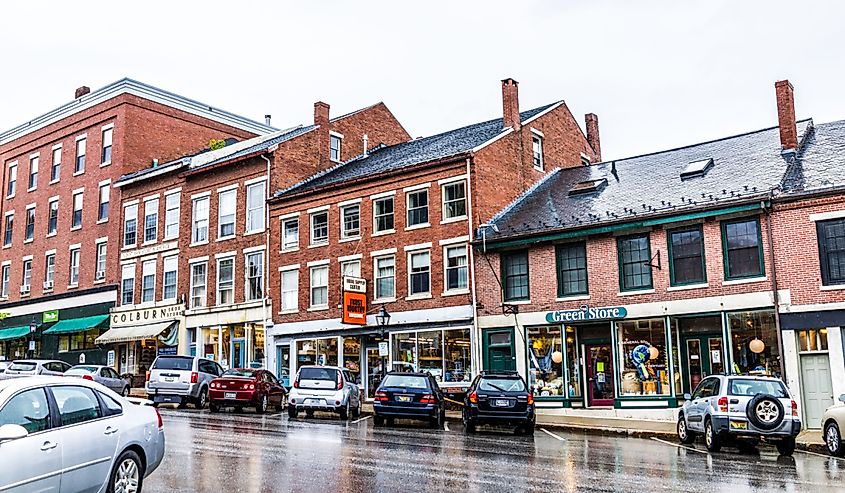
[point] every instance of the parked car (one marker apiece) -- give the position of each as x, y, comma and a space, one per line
104, 375
500, 398
409, 396
833, 422
245, 387
284, 377
740, 410
58, 434
324, 388
3, 366
181, 380
28, 367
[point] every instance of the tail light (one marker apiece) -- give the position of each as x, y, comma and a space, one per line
339, 381
158, 415
89, 377
723, 404
794, 409
212, 385
194, 377
427, 399
530, 399
296, 383
147, 377
473, 397
381, 397
250, 386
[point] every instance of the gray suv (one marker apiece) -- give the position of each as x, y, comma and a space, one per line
740, 410
181, 380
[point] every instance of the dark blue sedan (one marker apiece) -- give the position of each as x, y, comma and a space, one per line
409, 396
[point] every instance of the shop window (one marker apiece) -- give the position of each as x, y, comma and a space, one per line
454, 200
571, 269
417, 205
316, 352
319, 228
832, 251
634, 258
352, 355
643, 353
545, 361
258, 337
443, 353
754, 343
78, 341
515, 276
350, 222
430, 353
573, 374
686, 256
385, 277
383, 215
743, 249
812, 340
227, 201
456, 268
290, 234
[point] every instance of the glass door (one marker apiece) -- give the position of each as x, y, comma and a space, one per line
373, 377
599, 374
238, 353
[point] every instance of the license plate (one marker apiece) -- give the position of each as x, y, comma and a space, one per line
501, 403
313, 402
739, 425
169, 379
229, 395
403, 398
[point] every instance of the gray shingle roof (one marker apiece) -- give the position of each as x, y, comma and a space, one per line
247, 147
821, 163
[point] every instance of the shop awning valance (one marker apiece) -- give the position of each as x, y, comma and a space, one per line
77, 325
9, 333
134, 332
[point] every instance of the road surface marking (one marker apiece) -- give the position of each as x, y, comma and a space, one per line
360, 419
821, 455
547, 432
446, 426
679, 445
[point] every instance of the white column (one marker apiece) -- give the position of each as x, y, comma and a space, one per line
837, 360
219, 343
791, 365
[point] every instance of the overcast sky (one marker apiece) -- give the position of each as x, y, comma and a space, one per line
658, 74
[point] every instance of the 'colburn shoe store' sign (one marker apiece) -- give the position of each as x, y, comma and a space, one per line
148, 315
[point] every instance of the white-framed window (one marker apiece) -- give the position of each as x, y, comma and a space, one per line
383, 214
227, 202
319, 227
385, 274
350, 221
290, 234
456, 268
100, 267
49, 270
76, 221
130, 225
419, 272
127, 284
53, 217
226, 281
290, 290
103, 209
255, 201
171, 269
537, 150
150, 221
107, 142
33, 173
417, 207
29, 231
335, 141
56, 168
199, 271
254, 276
27, 274
320, 286
199, 229
79, 166
13, 180
171, 215
350, 268
454, 200
4, 287
8, 228
148, 281
74, 267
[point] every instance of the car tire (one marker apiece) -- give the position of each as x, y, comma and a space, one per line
765, 412
281, 406
125, 392
786, 446
309, 413
685, 436
469, 426
127, 471
712, 440
344, 412
378, 420
292, 412
437, 421
213, 407
357, 412
261, 407
833, 440
183, 403
202, 400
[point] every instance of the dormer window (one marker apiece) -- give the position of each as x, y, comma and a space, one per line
334, 146
537, 149
588, 186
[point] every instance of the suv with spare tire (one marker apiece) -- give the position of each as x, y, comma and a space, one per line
740, 410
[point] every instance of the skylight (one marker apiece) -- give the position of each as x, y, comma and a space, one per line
697, 168
588, 186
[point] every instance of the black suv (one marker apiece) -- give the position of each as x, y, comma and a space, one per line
409, 395
499, 398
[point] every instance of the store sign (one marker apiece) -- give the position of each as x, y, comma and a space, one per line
587, 314
110, 358
167, 350
383, 350
51, 316
147, 315
354, 308
354, 284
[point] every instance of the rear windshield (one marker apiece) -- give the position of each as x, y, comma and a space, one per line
318, 374
407, 381
22, 366
750, 387
174, 363
501, 385
236, 373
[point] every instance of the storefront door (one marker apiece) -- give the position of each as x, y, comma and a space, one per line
499, 353
283, 364
238, 352
701, 355
373, 376
816, 387
599, 374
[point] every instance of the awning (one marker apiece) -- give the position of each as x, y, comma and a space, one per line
134, 332
77, 324
9, 333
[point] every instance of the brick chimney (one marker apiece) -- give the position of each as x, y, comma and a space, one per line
592, 121
510, 104
81, 91
321, 119
786, 115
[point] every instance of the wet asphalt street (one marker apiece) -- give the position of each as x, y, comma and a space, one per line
249, 453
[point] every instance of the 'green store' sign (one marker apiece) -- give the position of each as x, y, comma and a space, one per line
587, 314
51, 316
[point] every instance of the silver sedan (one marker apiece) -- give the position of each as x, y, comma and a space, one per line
104, 375
64, 435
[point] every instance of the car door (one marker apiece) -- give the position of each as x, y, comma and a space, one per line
695, 416
353, 387
88, 438
277, 393
34, 462
107, 380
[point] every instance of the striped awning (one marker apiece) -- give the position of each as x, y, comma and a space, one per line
134, 332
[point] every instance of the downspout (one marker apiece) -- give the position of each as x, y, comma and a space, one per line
471, 260
266, 260
767, 208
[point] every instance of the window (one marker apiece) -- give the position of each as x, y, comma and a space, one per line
744, 327
28, 409
571, 269
30, 224
545, 374
127, 282
53, 217
319, 228
537, 150
383, 214
634, 258
290, 234
417, 204
831, 236
456, 268
642, 374
27, 274
107, 141
199, 231
255, 201
171, 215
320, 286
350, 224
100, 269
151, 221
227, 202
171, 266
56, 169
454, 200
226, 281
4, 287
515, 276
80, 156
148, 281
198, 278
33, 173
254, 276
103, 210
351, 268
335, 142
49, 270
385, 277
419, 272
77, 210
686, 256
7, 234
130, 225
743, 249
290, 290
74, 267
13, 180
76, 404
445, 353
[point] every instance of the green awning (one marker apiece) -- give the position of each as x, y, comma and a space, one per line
7, 334
77, 324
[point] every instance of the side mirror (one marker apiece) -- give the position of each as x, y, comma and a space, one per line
12, 432
687, 396
842, 397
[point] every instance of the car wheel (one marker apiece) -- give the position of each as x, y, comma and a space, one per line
437, 421
378, 420
711, 438
309, 413
786, 446
281, 406
261, 408
344, 412
127, 475
183, 403
684, 434
213, 407
357, 412
202, 399
125, 392
833, 440
469, 426
765, 412
292, 412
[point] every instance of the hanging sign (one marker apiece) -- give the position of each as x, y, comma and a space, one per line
383, 349
354, 284
354, 308
586, 313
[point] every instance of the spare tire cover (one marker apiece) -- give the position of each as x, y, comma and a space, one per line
765, 411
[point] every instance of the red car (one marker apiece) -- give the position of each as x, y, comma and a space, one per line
246, 387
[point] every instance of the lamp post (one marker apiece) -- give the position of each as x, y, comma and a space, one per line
383, 318
33, 326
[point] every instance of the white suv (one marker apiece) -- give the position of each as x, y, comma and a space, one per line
324, 388
741, 410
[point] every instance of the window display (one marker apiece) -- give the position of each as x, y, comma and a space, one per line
754, 343
444, 353
456, 356
352, 355
573, 387
545, 361
430, 352
644, 366
317, 352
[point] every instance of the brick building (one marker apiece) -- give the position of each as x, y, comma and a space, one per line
400, 217
60, 212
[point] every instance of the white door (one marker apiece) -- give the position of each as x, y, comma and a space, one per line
816, 387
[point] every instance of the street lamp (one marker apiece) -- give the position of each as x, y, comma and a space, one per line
383, 318
33, 326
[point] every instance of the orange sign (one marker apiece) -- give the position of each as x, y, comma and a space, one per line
354, 308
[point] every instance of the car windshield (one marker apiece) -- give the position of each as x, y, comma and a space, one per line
76, 370
406, 381
173, 363
22, 366
239, 373
501, 385
318, 374
749, 387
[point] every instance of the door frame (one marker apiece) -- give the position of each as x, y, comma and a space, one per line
485, 345
587, 391
706, 369
808, 423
